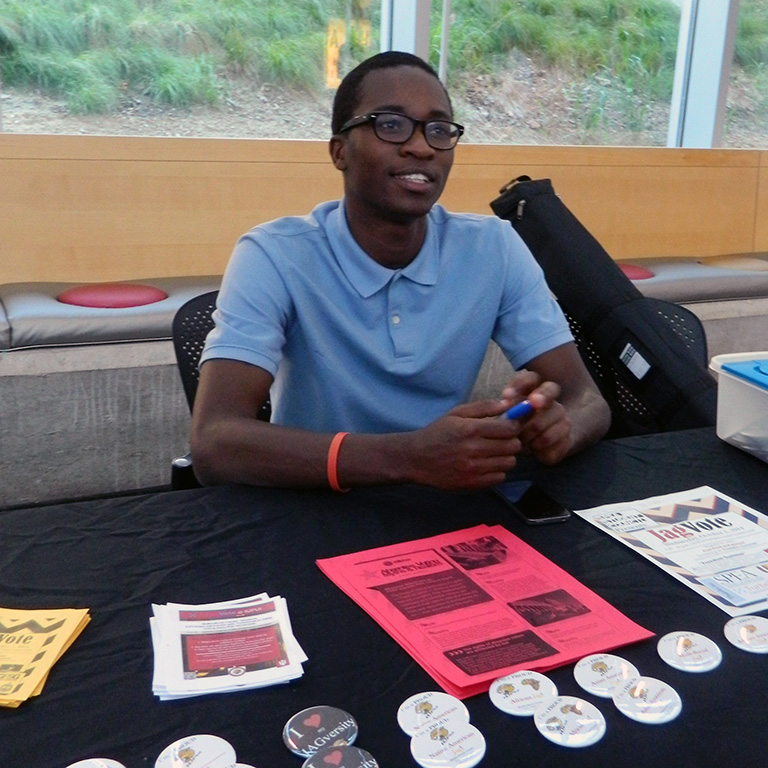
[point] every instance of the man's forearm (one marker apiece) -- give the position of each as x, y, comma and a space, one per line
468, 448
590, 419
241, 450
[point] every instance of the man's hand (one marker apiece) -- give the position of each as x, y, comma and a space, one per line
569, 412
546, 433
469, 447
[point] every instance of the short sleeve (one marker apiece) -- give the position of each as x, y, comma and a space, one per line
253, 309
530, 320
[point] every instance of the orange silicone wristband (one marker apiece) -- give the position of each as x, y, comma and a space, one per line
333, 458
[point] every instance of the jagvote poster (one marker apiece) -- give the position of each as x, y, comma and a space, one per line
708, 541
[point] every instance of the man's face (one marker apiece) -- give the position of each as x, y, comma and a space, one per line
394, 182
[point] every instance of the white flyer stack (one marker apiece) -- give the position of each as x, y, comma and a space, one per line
220, 647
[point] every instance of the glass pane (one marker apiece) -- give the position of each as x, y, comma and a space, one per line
563, 71
239, 68
746, 116
519, 71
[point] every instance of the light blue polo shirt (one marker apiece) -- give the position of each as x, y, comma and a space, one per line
354, 346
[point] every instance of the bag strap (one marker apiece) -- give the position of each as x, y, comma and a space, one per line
513, 196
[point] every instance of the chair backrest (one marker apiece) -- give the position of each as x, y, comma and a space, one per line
630, 413
191, 324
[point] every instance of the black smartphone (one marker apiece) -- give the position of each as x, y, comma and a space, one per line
531, 504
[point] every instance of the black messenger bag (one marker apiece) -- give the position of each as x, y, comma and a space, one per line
647, 356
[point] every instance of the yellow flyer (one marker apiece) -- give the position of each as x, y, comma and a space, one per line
31, 641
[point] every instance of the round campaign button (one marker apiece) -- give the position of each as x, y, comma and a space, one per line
201, 749
600, 673
341, 757
749, 633
689, 651
315, 728
421, 709
570, 722
448, 743
521, 692
96, 762
648, 700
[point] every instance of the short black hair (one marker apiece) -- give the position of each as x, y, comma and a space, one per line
348, 94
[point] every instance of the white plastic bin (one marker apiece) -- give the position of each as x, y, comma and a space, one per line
742, 401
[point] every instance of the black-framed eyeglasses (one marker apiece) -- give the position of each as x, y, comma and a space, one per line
397, 129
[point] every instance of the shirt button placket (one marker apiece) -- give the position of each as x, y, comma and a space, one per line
393, 312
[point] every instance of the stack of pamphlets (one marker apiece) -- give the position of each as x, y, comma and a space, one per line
31, 642
474, 605
219, 647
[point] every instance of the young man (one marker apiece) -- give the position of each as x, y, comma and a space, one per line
369, 318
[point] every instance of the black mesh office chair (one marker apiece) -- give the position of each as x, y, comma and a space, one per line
630, 415
191, 325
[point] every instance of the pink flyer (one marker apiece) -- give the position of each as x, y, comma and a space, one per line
476, 604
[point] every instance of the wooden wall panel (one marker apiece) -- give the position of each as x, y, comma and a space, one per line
761, 213
84, 208
637, 202
109, 210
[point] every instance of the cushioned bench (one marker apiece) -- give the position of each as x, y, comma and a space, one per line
32, 316
724, 278
728, 293
91, 399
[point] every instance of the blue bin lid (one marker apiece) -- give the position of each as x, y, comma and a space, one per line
754, 371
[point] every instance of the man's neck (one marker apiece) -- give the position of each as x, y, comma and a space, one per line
392, 244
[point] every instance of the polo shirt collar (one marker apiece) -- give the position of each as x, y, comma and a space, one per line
368, 276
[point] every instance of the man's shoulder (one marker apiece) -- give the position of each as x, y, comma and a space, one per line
474, 221
296, 226
288, 245
473, 231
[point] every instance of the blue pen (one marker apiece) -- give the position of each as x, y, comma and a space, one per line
520, 410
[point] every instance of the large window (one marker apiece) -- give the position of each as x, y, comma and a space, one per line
520, 71
240, 68
746, 114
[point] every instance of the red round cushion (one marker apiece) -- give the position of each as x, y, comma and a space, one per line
634, 272
112, 295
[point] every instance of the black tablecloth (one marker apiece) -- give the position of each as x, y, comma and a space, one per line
118, 556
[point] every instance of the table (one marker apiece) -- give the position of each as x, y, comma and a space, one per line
117, 556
